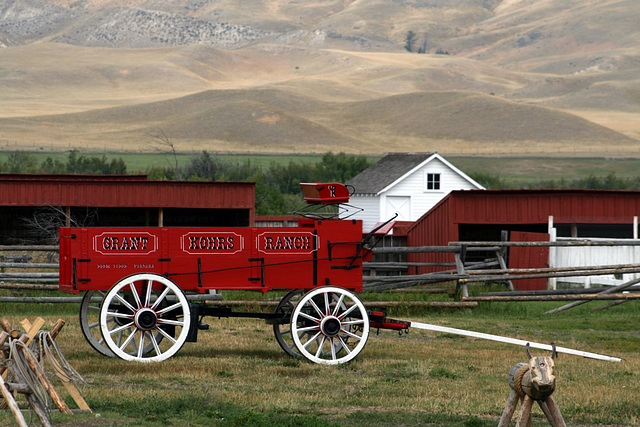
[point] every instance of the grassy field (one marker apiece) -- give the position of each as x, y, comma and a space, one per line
237, 375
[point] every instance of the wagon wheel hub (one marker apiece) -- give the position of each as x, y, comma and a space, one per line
330, 326
146, 319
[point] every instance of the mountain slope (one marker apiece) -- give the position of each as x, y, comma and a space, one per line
510, 76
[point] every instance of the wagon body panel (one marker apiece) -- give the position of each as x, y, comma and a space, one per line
316, 253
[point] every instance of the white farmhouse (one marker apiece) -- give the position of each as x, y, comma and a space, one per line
407, 184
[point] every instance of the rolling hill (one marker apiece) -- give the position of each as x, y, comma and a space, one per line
484, 76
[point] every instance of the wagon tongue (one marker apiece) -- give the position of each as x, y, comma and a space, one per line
507, 340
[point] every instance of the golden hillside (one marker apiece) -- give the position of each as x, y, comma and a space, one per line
510, 77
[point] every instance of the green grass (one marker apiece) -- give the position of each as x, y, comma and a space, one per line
520, 171
237, 375
141, 162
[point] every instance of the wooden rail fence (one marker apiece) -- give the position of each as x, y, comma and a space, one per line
458, 270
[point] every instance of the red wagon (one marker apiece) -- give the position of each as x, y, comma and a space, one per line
141, 284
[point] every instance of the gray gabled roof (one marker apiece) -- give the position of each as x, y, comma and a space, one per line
386, 171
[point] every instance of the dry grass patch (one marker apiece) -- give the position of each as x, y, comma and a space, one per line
238, 373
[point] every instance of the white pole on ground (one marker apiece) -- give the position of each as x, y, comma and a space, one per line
507, 340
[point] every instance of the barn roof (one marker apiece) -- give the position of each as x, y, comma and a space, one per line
393, 168
386, 171
122, 191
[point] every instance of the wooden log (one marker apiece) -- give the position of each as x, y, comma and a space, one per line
554, 270
32, 329
574, 273
554, 291
6, 325
52, 248
4, 337
571, 297
416, 249
29, 286
22, 275
404, 265
19, 388
42, 300
13, 405
608, 291
33, 403
524, 420
558, 419
57, 328
609, 305
545, 410
483, 244
37, 370
27, 265
509, 409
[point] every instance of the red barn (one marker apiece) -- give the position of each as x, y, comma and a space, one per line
123, 200
482, 215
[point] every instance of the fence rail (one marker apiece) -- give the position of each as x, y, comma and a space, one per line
458, 271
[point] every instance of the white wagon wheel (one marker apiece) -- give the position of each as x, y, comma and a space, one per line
330, 325
90, 324
142, 310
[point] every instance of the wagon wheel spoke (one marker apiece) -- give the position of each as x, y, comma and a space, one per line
166, 335
338, 305
125, 302
341, 332
161, 298
121, 329
312, 340
149, 330
346, 313
171, 322
136, 297
316, 308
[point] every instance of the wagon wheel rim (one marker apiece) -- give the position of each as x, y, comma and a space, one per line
90, 321
282, 329
329, 326
145, 318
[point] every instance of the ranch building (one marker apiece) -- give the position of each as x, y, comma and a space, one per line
406, 184
535, 215
33, 207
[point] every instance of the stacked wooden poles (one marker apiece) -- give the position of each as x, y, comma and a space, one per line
19, 344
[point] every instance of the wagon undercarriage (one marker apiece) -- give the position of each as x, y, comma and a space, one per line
147, 318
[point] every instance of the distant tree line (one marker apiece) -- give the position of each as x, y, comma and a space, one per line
278, 185
592, 182
24, 162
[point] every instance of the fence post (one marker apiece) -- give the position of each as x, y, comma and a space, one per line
551, 281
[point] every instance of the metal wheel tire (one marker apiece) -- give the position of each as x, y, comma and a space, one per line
142, 310
90, 321
282, 331
329, 325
